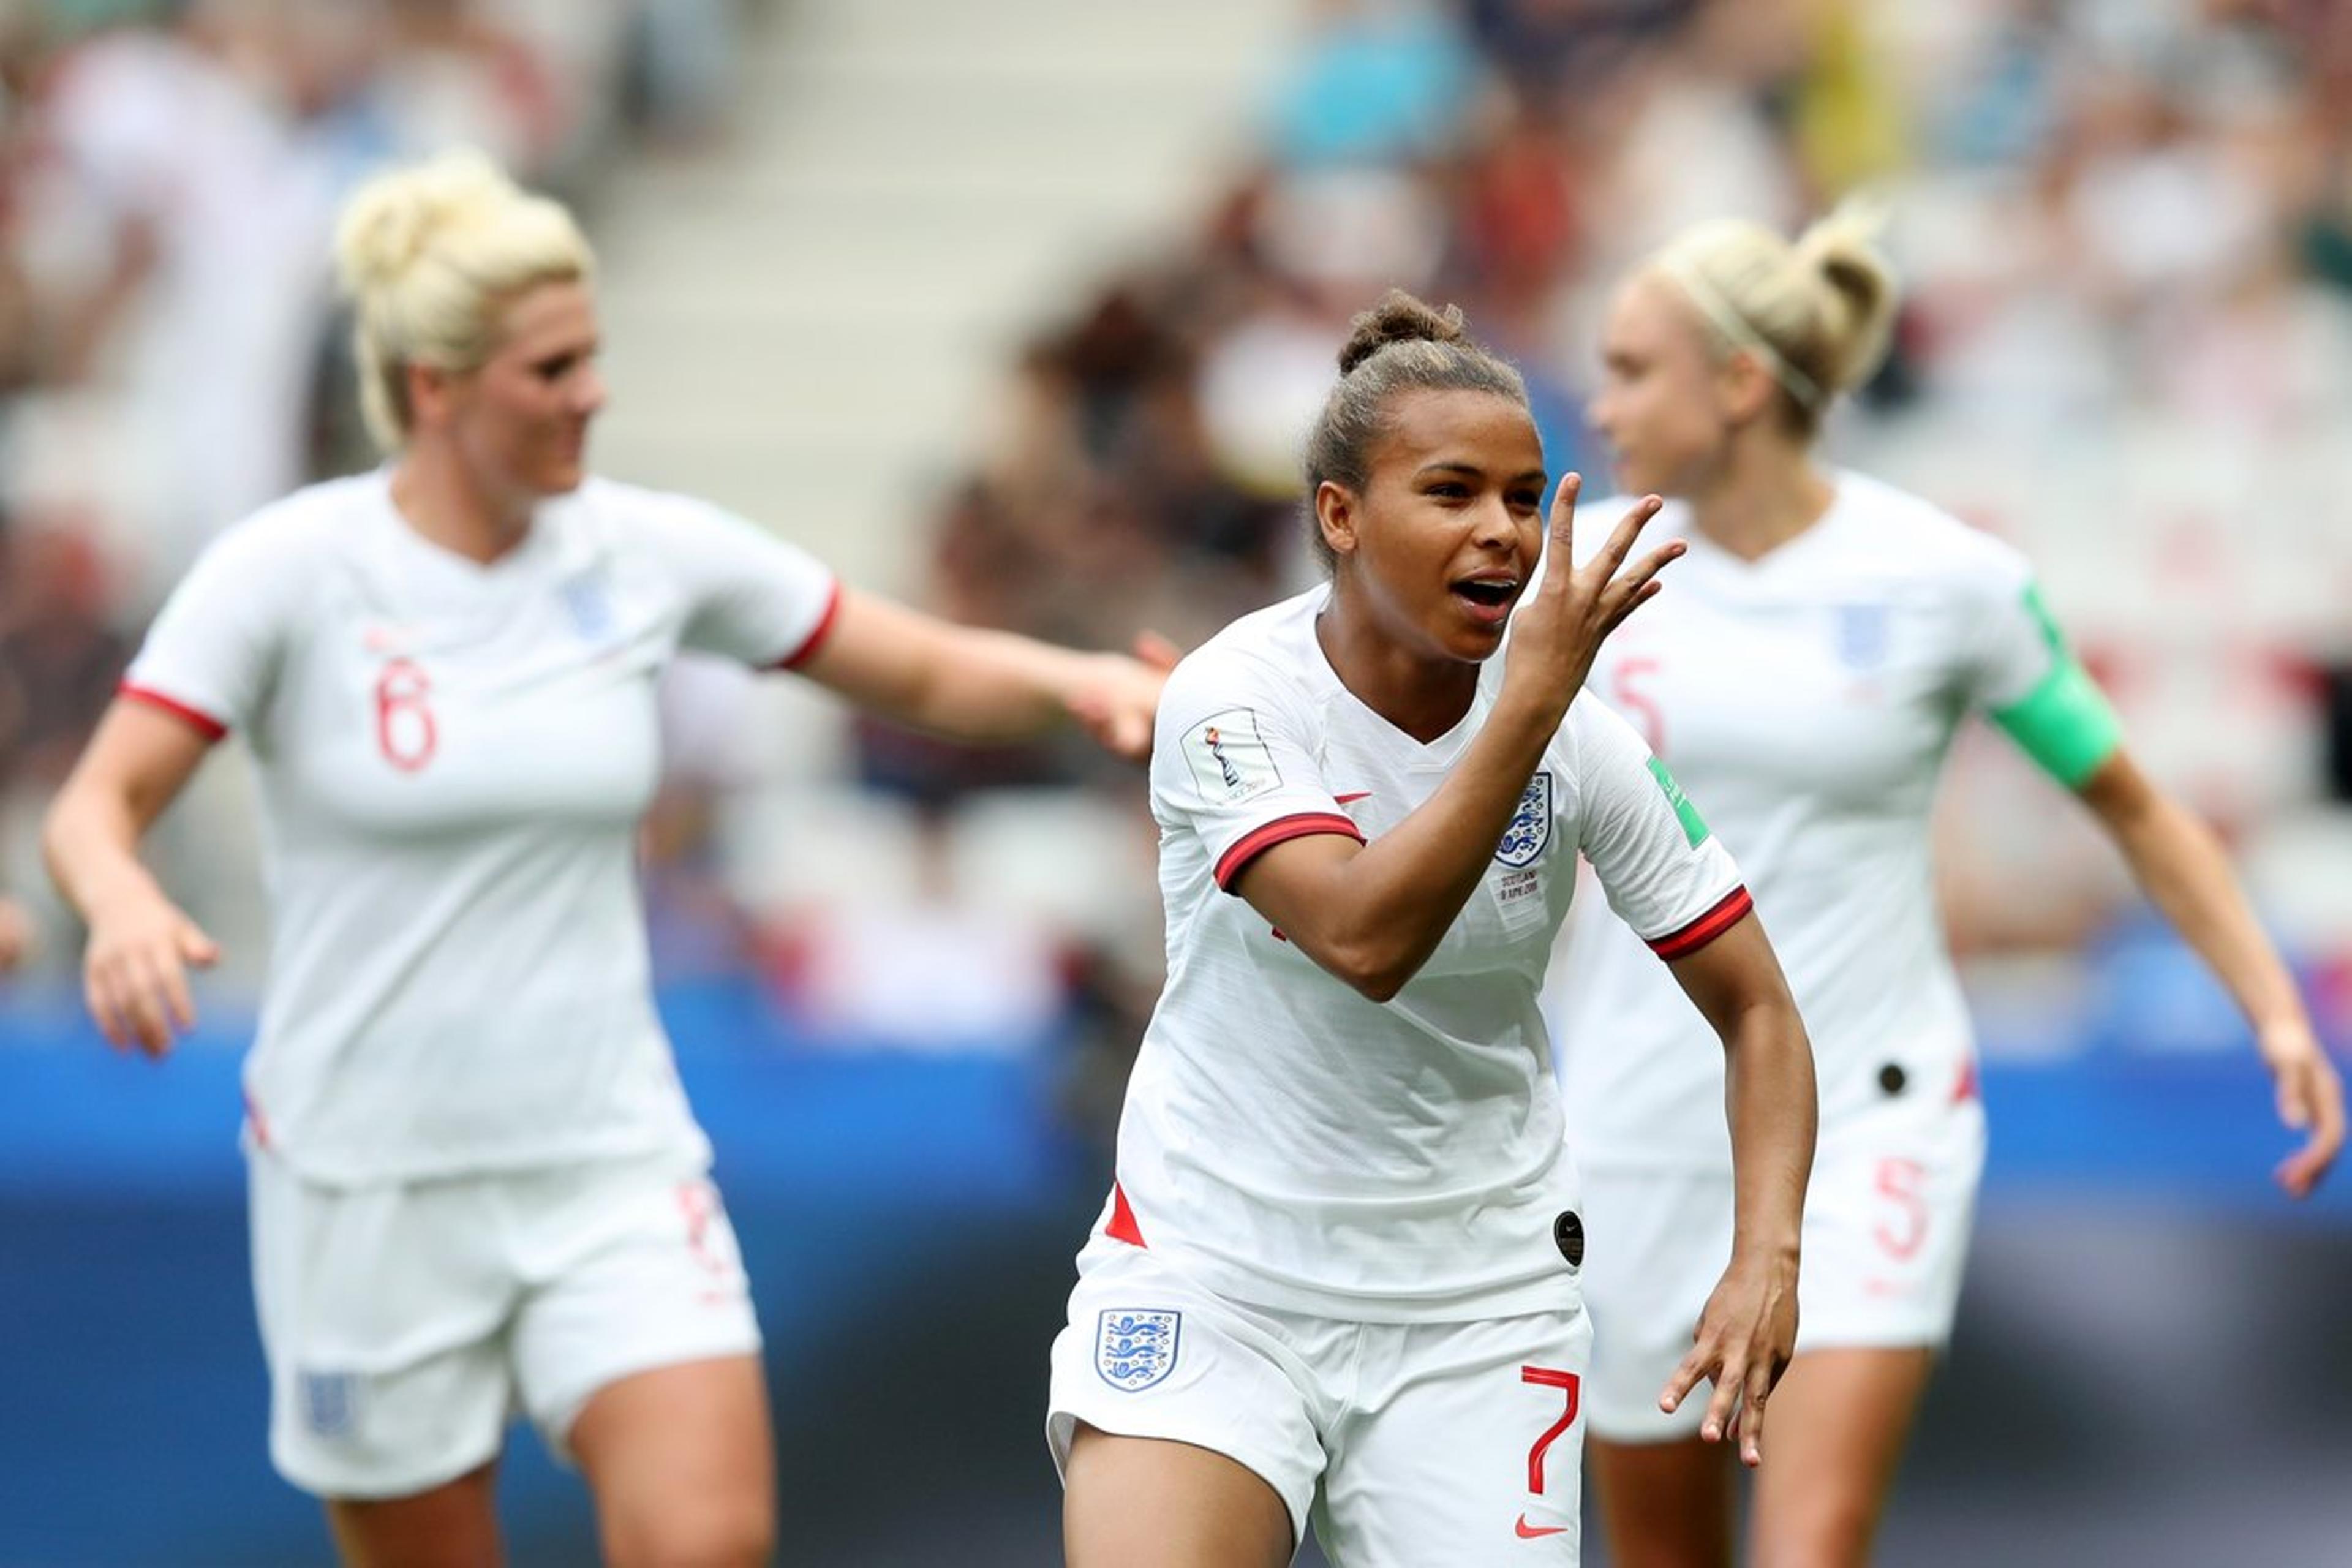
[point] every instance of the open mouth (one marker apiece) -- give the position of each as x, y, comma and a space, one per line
1490, 594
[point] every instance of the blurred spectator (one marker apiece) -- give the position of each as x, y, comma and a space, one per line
937, 970
1377, 81
59, 659
179, 216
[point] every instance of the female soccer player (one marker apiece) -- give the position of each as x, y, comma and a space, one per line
476, 1183
1336, 1274
1822, 642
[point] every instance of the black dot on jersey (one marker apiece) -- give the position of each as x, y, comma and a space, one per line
1892, 1078
1568, 1235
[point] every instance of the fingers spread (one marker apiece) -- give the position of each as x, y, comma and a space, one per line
1564, 515
1685, 1377
1751, 1415
1721, 1404
1638, 585
1629, 529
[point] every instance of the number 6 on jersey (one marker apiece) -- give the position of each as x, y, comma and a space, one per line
405, 730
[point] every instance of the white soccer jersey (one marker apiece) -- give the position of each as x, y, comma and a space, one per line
453, 758
1807, 699
1288, 1141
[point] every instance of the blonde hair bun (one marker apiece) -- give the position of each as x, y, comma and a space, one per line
1859, 292
431, 255
1816, 312
392, 220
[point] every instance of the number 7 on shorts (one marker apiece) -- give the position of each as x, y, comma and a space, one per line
1567, 1382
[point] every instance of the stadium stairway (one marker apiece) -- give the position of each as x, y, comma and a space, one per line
806, 323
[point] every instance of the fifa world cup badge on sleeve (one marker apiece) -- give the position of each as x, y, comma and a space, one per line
1228, 756
1136, 1348
1694, 825
1530, 827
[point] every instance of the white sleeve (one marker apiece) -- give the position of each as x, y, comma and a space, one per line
213, 654
1666, 875
2019, 671
750, 597
1233, 762
2013, 643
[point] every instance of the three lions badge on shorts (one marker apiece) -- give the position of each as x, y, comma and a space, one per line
330, 1403
1135, 1349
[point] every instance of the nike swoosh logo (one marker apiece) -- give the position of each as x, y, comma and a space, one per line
1537, 1531
1359, 794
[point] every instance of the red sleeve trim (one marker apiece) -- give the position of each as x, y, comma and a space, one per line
1705, 929
204, 723
1281, 830
817, 634
1122, 1225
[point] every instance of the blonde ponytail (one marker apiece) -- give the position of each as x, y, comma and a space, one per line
430, 255
1858, 288
1816, 314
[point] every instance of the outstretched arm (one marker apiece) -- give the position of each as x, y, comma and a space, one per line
2179, 864
1748, 1331
971, 684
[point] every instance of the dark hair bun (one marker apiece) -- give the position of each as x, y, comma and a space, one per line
1400, 317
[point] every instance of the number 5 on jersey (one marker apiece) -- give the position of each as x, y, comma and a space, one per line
1625, 695
405, 730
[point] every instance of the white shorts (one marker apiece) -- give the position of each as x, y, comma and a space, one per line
1407, 1444
1887, 1220
404, 1323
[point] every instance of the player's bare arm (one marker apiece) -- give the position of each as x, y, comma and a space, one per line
134, 973
1748, 1331
1373, 913
972, 684
2181, 867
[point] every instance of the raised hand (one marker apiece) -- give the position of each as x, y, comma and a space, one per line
135, 973
1746, 1337
1560, 627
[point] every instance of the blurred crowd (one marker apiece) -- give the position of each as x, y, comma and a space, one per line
2114, 217
2124, 228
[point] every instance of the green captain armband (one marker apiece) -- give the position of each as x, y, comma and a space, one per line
2065, 724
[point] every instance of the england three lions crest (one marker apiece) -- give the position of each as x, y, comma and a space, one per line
1134, 1350
1530, 828
1864, 634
